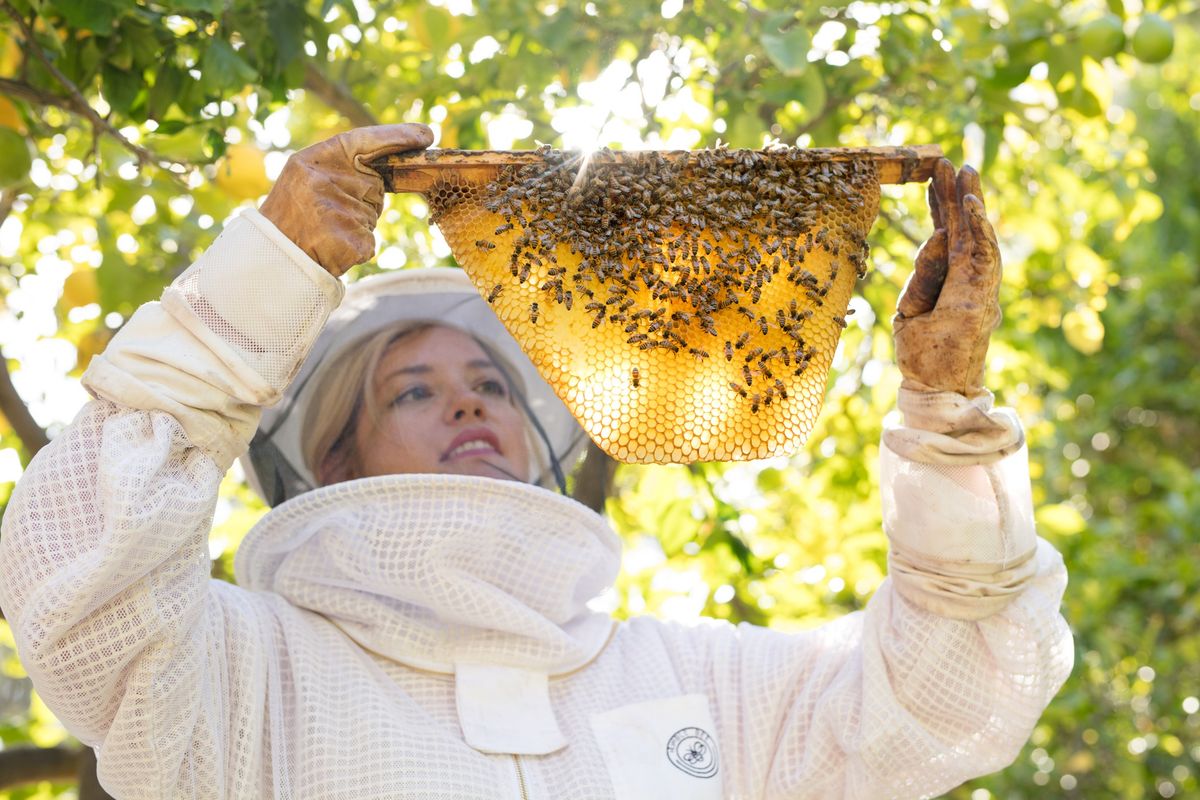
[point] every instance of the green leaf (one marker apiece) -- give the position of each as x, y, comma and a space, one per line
147, 50
215, 144
122, 54
437, 24
120, 88
786, 42
810, 91
165, 91
92, 15
287, 24
745, 130
171, 126
223, 70
213, 7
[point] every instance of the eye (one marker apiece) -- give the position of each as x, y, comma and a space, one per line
419, 392
493, 387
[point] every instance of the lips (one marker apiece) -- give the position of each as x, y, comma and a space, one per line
472, 442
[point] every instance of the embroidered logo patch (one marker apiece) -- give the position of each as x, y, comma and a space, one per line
693, 751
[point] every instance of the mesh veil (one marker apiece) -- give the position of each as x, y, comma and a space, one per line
275, 464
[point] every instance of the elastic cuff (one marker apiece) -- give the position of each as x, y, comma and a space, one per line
948, 428
959, 589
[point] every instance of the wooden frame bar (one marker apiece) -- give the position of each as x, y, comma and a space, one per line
418, 171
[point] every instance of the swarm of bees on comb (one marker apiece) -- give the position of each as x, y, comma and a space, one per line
685, 306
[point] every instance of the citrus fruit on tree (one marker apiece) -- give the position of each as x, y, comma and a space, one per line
242, 172
1103, 37
16, 158
1153, 40
80, 288
10, 117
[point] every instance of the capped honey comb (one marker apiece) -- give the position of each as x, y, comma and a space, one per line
684, 308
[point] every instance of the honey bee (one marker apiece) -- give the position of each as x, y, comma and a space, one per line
741, 342
729, 351
698, 353
495, 292
737, 387
533, 312
635, 378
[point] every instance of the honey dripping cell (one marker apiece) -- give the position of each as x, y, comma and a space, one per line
675, 262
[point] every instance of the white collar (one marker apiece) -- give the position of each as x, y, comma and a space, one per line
482, 578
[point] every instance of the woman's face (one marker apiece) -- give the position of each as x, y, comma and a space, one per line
444, 407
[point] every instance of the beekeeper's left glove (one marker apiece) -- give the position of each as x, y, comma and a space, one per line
948, 310
327, 200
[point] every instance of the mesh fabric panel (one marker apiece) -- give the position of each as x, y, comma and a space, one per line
684, 309
269, 336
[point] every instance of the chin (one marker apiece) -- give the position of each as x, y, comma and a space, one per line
483, 469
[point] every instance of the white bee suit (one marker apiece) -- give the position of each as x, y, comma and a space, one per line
428, 636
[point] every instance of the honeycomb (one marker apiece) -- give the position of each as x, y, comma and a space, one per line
685, 308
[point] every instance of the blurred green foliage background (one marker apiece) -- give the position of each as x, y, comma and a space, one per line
130, 130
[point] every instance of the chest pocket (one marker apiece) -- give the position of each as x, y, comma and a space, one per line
661, 748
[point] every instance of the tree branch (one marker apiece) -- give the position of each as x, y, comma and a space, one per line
89, 783
11, 405
79, 103
40, 97
336, 96
23, 764
593, 483
17, 413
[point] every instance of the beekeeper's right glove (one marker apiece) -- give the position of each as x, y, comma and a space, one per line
327, 200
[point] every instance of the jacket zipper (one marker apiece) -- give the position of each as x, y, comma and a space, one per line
520, 776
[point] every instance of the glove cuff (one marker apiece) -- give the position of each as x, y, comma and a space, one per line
949, 428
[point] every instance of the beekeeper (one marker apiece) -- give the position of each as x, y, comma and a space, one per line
411, 618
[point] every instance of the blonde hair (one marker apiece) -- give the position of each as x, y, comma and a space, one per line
332, 416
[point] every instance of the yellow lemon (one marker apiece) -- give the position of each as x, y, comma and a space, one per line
80, 288
9, 116
242, 172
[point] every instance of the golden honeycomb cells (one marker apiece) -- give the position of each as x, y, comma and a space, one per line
685, 309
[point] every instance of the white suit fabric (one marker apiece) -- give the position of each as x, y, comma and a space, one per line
425, 636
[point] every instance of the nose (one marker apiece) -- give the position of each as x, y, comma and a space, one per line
465, 405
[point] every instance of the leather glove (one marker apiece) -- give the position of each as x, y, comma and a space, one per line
950, 306
327, 200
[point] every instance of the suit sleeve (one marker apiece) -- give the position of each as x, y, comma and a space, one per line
104, 568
